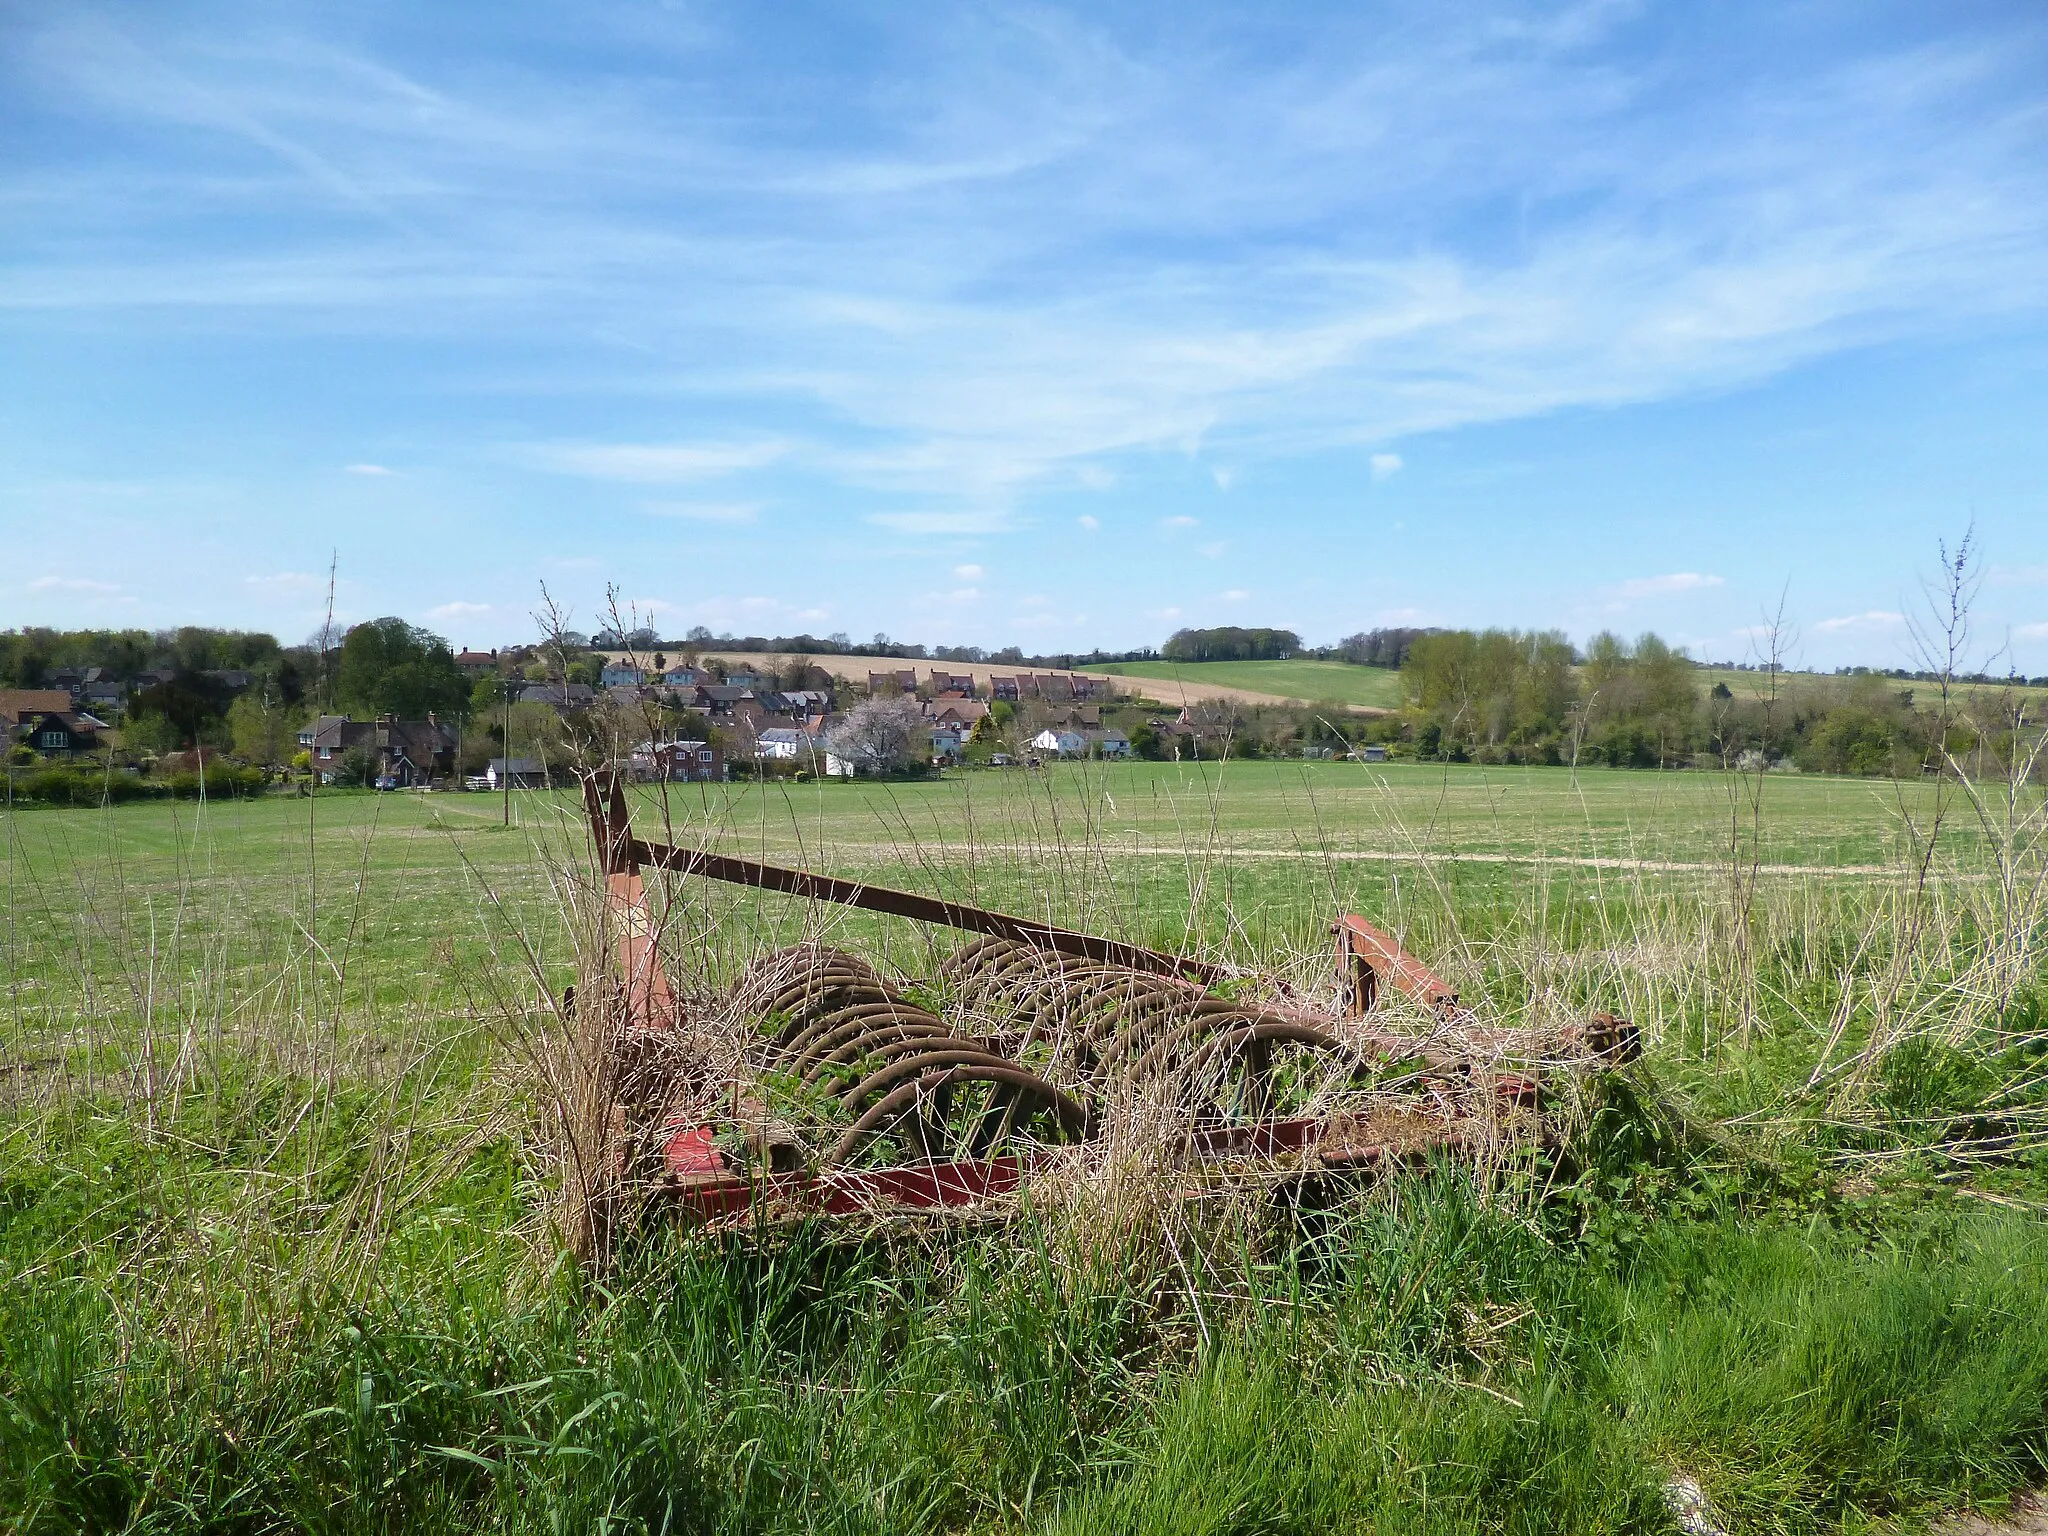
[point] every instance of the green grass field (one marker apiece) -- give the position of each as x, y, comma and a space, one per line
275, 1168
1312, 682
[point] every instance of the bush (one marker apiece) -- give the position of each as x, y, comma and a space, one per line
83, 786
222, 782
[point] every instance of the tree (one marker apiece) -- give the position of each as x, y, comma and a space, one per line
262, 732
390, 667
1231, 643
881, 736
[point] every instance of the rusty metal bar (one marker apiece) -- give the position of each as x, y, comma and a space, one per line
623, 853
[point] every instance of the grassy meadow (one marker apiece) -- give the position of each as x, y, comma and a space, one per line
1313, 682
275, 1176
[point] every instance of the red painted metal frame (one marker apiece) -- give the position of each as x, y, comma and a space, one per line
625, 854
1371, 960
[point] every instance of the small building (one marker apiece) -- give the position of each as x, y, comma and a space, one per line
882, 684
476, 663
1004, 687
961, 683
947, 742
515, 773
748, 677
621, 674
1373, 754
685, 676
783, 743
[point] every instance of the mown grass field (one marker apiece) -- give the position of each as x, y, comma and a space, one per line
1313, 682
274, 1178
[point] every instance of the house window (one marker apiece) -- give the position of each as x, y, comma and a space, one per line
327, 751
53, 739
704, 757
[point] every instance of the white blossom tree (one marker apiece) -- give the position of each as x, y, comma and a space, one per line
880, 736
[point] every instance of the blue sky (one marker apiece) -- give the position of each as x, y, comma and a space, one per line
989, 324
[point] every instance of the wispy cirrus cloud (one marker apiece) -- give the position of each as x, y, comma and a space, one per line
656, 463
1637, 587
72, 584
1874, 621
731, 513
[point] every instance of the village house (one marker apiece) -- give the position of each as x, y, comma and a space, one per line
692, 762
882, 684
44, 719
1004, 688
564, 698
961, 683
963, 713
476, 664
408, 752
1110, 743
685, 676
1061, 743
621, 674
783, 743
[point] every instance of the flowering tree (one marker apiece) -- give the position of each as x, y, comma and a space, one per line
881, 736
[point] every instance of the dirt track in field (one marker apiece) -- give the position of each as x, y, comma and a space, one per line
1111, 847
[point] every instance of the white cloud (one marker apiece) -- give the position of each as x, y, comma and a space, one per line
1665, 586
1175, 524
458, 610
2018, 576
286, 584
942, 522
1215, 549
1088, 522
729, 512
367, 469
1385, 465
2032, 631
654, 463
1875, 619
1162, 613
1224, 478
1234, 595
968, 572
71, 584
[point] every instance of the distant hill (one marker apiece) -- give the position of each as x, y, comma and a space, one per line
1314, 682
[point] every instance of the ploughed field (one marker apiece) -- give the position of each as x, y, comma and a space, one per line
275, 1172
1309, 681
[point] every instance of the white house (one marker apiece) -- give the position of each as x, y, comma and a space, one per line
782, 743
1064, 743
621, 674
837, 767
947, 740
1111, 743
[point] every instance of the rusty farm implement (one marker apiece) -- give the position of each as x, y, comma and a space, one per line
816, 1084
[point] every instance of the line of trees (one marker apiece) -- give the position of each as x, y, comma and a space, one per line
1231, 643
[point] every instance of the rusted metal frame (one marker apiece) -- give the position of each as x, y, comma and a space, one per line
954, 1185
624, 853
